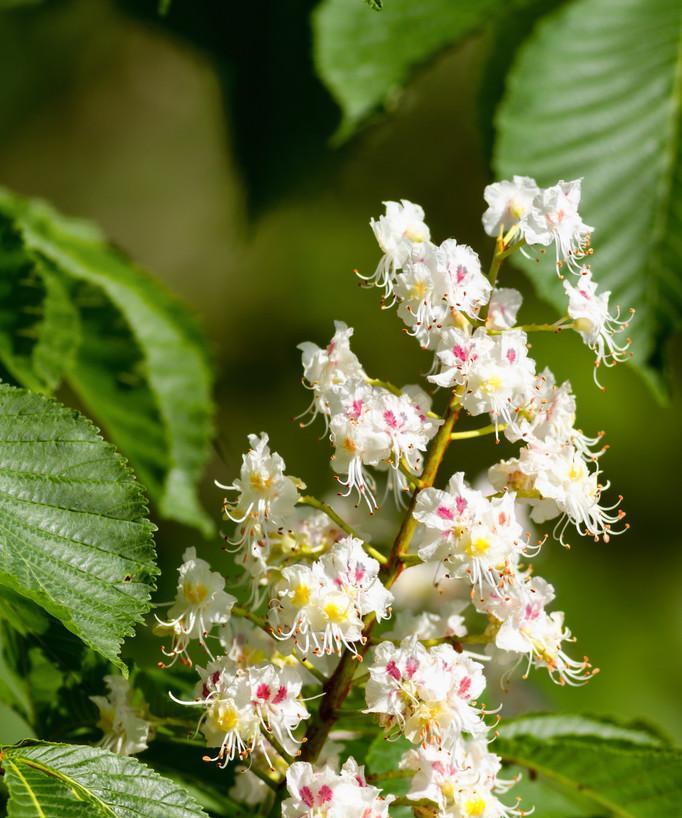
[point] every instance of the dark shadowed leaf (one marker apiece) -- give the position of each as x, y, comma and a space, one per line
142, 367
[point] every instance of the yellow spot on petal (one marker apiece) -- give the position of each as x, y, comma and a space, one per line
226, 717
194, 592
335, 612
474, 807
477, 547
301, 595
491, 384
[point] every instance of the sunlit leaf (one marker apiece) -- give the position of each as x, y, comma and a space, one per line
597, 93
74, 535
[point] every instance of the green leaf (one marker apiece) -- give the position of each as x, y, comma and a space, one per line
606, 769
384, 754
545, 726
38, 323
597, 93
71, 781
365, 59
13, 688
74, 533
142, 367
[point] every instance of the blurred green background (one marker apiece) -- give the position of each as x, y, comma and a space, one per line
110, 118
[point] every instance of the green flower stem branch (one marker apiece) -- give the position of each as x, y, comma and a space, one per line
484, 430
313, 502
558, 326
339, 684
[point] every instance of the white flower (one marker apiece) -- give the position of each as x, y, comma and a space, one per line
125, 729
526, 628
505, 303
377, 428
462, 782
509, 204
243, 706
230, 722
592, 320
358, 443
466, 288
554, 218
557, 482
266, 496
328, 371
397, 232
200, 603
458, 352
501, 378
549, 417
350, 569
428, 694
407, 427
276, 696
321, 606
421, 292
474, 537
322, 793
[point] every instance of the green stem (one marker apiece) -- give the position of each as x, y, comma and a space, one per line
266, 777
557, 326
280, 750
404, 801
313, 502
258, 621
484, 430
409, 525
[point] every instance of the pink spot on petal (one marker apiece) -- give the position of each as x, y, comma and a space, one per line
393, 670
263, 692
464, 686
411, 667
307, 796
390, 419
281, 695
461, 273
459, 352
444, 513
461, 504
324, 794
511, 355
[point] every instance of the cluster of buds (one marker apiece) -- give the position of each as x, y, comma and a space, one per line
321, 603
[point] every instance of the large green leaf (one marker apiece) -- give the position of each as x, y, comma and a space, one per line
74, 533
597, 93
71, 781
365, 58
142, 368
599, 767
